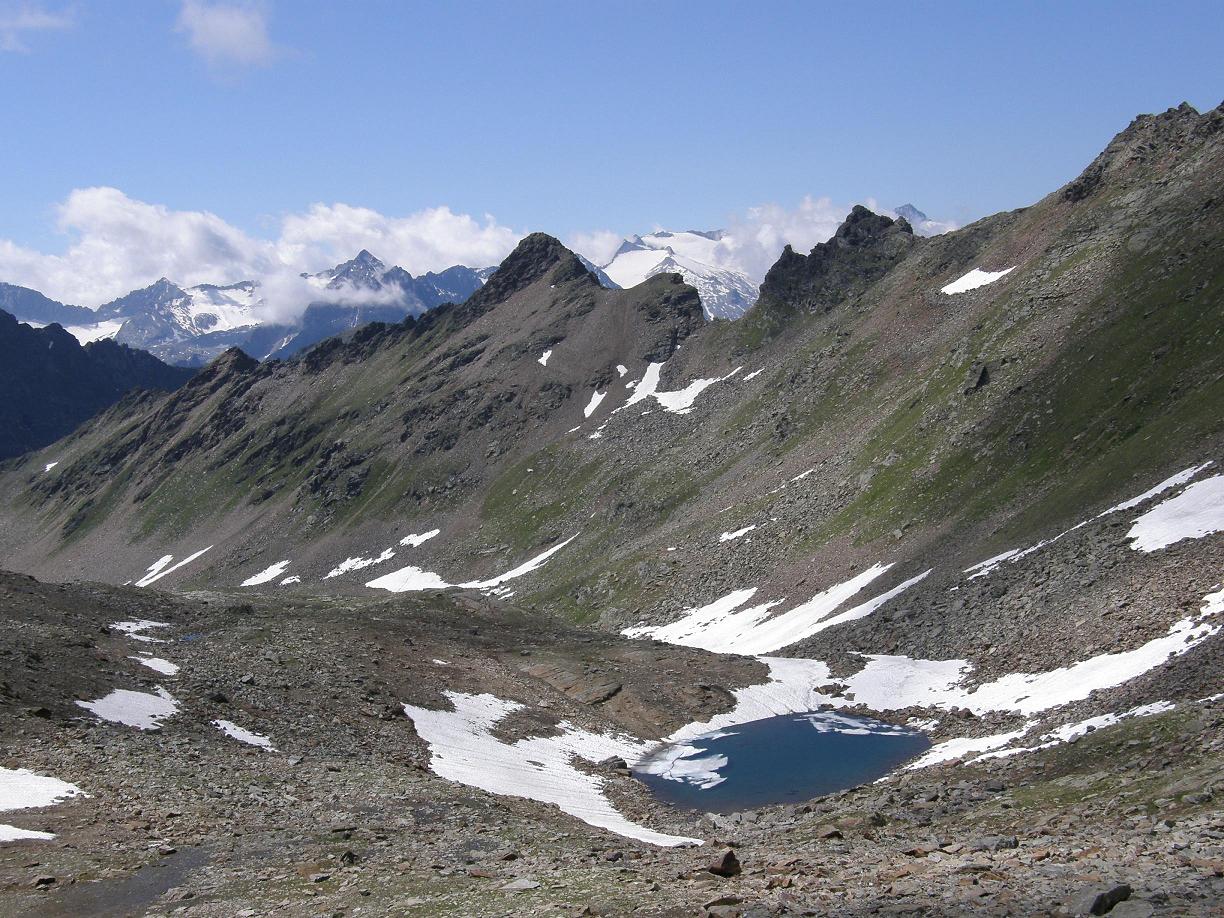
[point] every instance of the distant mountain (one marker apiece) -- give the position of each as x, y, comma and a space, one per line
921, 223
189, 326
51, 383
726, 293
34, 307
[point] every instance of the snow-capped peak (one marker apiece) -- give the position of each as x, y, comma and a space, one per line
699, 257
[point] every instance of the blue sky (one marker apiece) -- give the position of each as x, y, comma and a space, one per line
574, 118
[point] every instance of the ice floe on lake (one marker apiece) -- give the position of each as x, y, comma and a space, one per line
463, 749
267, 574
974, 279
243, 735
143, 710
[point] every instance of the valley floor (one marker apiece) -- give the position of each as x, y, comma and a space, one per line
344, 816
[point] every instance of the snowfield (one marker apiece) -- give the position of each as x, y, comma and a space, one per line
463, 749
1196, 512
720, 628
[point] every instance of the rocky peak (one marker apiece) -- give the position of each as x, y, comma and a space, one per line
362, 271
864, 248
535, 257
1148, 147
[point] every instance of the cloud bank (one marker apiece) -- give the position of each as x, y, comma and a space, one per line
117, 243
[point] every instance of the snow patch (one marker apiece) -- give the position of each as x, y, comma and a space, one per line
542, 360
411, 578
143, 710
729, 536
243, 735
416, 541
135, 630
22, 789
596, 398
157, 570
356, 564
1196, 512
974, 279
49, 466
718, 627
268, 573
157, 664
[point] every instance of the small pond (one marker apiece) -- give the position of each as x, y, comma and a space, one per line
785, 759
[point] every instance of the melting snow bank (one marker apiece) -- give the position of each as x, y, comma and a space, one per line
410, 579
356, 564
135, 629
542, 360
142, 710
678, 402
1172, 523
22, 789
157, 570
49, 466
718, 627
974, 279
157, 664
463, 749
269, 573
1195, 512
243, 735
415, 541
729, 536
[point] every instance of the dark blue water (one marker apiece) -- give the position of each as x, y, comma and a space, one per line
785, 759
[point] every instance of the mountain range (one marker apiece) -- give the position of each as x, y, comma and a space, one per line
188, 326
482, 566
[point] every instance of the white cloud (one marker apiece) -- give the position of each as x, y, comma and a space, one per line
117, 243
756, 237
17, 20
598, 246
227, 34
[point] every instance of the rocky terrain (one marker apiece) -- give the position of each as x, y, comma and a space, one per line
463, 572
